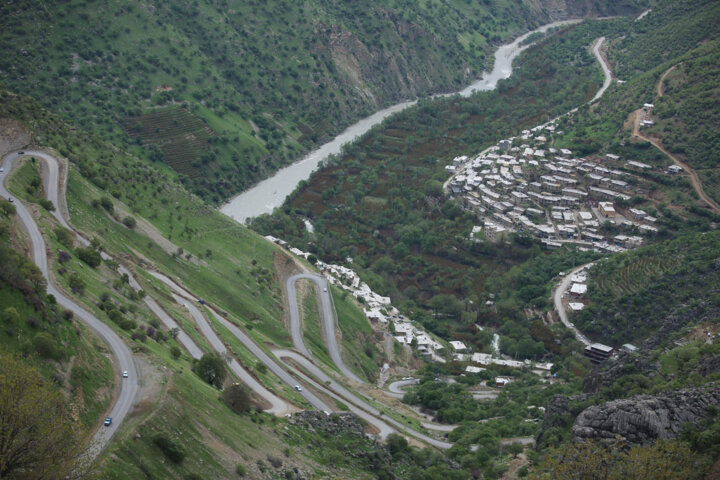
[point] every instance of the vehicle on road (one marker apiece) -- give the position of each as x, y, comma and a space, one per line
325, 290
298, 388
108, 421
10, 199
21, 153
2, 169
125, 374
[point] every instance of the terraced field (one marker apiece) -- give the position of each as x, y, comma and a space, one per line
634, 275
182, 137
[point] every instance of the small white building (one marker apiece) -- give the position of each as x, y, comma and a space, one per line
578, 289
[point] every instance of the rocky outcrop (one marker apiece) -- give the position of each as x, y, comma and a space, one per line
329, 425
605, 375
644, 418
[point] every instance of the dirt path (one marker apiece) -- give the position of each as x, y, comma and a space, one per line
635, 118
661, 83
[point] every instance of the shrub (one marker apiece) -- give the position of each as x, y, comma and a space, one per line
107, 204
64, 236
76, 283
129, 222
175, 352
47, 204
89, 256
127, 324
46, 346
10, 316
237, 398
63, 256
240, 470
170, 448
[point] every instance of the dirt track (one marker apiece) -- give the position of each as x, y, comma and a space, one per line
635, 118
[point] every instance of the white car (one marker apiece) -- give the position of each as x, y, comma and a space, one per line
298, 388
125, 374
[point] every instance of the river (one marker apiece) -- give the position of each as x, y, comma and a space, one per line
270, 193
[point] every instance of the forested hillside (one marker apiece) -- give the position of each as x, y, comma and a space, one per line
653, 292
267, 79
382, 203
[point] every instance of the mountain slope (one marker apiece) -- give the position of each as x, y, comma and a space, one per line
269, 79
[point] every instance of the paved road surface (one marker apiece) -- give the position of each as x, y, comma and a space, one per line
557, 297
397, 389
605, 67
123, 357
279, 405
328, 320
386, 424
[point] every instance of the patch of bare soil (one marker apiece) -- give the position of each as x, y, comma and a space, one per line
154, 382
514, 465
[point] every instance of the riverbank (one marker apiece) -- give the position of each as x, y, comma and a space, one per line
270, 193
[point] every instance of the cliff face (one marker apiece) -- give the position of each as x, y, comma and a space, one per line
644, 418
422, 60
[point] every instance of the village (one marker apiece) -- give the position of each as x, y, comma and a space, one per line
522, 185
379, 310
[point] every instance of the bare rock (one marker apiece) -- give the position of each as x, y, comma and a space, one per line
644, 418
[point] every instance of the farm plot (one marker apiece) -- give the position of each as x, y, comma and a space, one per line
634, 275
182, 137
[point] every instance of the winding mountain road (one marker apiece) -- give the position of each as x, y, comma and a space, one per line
123, 356
279, 406
606, 69
328, 320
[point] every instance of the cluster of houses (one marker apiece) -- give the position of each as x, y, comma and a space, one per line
408, 334
461, 354
376, 307
520, 185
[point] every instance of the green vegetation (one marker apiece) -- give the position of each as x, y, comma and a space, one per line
40, 436
665, 459
226, 92
212, 369
653, 291
33, 324
413, 246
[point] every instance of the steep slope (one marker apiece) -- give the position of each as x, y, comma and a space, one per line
268, 79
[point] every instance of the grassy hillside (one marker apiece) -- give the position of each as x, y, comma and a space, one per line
268, 79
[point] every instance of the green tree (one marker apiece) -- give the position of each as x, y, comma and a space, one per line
237, 398
10, 316
129, 222
39, 438
211, 368
46, 345
90, 256
64, 236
